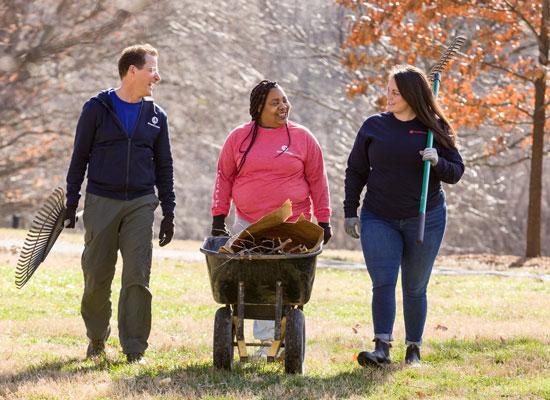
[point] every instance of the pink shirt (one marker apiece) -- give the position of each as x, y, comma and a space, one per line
265, 180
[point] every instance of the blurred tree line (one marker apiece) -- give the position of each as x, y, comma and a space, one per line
56, 54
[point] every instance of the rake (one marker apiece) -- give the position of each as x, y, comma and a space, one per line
45, 229
435, 77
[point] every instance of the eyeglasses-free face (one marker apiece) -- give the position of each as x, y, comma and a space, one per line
276, 109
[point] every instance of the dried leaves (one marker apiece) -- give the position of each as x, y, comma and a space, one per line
268, 246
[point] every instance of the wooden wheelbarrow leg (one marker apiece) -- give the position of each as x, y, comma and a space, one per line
241, 343
279, 323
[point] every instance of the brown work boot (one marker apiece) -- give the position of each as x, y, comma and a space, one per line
96, 349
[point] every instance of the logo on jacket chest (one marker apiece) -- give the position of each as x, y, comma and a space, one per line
154, 121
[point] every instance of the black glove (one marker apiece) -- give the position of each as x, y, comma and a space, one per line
70, 215
328, 231
166, 230
218, 226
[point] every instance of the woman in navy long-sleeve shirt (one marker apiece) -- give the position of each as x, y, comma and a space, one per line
387, 157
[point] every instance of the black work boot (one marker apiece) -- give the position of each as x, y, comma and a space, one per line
412, 356
380, 355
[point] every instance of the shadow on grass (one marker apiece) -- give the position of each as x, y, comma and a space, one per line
197, 379
179, 375
59, 368
55, 370
258, 380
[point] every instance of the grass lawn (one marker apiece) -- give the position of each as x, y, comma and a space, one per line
486, 337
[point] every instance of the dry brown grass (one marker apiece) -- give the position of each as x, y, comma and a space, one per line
477, 326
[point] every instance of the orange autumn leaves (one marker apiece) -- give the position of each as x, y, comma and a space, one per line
492, 82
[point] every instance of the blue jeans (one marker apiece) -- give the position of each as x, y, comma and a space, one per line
390, 243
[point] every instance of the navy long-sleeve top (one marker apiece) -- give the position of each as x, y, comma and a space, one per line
385, 157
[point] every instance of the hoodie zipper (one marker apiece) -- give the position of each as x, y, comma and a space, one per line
129, 147
130, 152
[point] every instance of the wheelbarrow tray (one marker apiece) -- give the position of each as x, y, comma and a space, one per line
260, 273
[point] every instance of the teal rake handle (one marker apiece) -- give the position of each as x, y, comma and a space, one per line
435, 75
426, 176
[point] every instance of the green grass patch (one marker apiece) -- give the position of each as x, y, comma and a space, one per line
485, 338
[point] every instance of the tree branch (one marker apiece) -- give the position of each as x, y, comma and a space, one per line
522, 17
22, 135
508, 71
322, 104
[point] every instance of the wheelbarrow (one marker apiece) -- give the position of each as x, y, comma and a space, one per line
263, 287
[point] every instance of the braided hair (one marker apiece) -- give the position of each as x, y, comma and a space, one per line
258, 96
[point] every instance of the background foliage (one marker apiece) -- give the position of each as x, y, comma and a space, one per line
54, 55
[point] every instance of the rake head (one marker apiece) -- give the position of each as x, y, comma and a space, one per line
447, 56
46, 227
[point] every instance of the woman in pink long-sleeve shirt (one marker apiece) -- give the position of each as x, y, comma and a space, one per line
262, 164
268, 160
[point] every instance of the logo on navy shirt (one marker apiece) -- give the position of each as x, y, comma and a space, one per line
154, 122
415, 132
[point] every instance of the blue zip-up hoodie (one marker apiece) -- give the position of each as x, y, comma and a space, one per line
120, 167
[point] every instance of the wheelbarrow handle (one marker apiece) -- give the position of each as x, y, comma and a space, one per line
426, 175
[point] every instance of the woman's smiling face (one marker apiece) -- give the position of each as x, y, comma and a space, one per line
396, 103
276, 109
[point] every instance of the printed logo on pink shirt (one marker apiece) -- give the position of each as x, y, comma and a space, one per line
284, 149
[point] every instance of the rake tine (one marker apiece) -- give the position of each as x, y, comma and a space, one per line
450, 53
45, 228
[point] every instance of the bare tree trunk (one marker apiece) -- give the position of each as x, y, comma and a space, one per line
539, 119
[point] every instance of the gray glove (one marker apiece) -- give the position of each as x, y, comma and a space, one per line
353, 227
430, 154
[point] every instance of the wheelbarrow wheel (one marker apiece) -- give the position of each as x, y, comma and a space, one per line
295, 341
223, 339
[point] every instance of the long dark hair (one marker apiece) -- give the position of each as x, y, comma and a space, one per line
258, 96
415, 89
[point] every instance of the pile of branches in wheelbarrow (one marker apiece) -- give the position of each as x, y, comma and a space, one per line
270, 246
272, 235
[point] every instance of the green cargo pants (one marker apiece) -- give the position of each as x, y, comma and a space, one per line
113, 225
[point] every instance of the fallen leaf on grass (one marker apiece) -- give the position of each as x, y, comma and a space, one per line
163, 381
440, 327
256, 379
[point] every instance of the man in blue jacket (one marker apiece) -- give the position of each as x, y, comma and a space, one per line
122, 139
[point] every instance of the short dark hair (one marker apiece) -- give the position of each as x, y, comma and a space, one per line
134, 55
